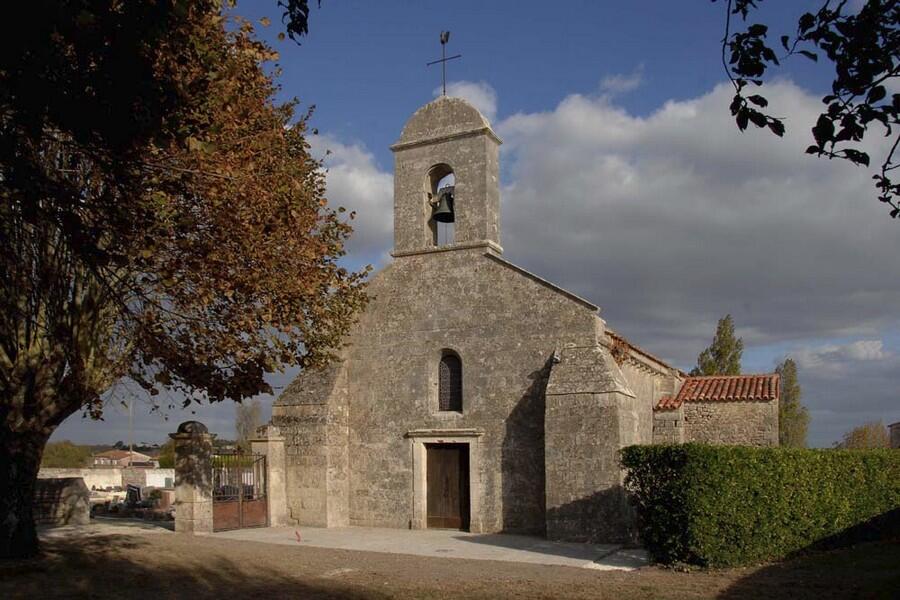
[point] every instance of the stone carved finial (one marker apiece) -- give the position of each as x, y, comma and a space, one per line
193, 427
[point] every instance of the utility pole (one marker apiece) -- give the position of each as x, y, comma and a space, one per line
130, 431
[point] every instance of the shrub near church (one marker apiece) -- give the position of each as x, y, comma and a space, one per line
726, 505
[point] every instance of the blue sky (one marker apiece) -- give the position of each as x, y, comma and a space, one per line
364, 66
623, 180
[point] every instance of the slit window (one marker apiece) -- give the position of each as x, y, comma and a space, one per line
450, 383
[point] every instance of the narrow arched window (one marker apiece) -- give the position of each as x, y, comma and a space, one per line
450, 383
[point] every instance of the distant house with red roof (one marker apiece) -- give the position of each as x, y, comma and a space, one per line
124, 458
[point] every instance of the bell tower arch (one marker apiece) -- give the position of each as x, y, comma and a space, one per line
446, 172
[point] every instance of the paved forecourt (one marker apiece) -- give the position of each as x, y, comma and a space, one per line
449, 544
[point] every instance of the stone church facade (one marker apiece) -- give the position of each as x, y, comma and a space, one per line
473, 394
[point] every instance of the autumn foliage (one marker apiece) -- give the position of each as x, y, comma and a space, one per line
161, 217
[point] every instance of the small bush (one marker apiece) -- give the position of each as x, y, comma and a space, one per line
727, 505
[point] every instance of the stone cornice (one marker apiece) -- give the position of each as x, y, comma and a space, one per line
444, 433
446, 138
451, 247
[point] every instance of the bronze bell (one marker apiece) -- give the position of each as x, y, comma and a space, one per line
443, 212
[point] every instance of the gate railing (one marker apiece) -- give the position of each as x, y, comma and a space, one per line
239, 490
238, 476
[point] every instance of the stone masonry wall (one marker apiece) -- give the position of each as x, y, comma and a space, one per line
738, 423
448, 131
590, 414
311, 415
61, 501
99, 478
350, 430
643, 384
504, 324
103, 477
668, 426
648, 384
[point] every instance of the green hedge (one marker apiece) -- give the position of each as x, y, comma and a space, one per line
727, 505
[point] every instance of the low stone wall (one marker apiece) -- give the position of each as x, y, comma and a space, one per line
103, 478
62, 501
743, 423
100, 478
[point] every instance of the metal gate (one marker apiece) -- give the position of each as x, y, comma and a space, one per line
239, 491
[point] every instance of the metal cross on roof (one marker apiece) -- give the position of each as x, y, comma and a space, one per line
445, 37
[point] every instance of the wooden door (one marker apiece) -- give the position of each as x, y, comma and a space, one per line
448, 486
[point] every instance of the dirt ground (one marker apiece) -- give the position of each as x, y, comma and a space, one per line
166, 565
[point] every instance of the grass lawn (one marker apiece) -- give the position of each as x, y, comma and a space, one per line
166, 565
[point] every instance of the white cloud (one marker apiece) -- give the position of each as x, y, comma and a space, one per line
622, 83
478, 93
672, 220
847, 384
840, 358
866, 350
355, 182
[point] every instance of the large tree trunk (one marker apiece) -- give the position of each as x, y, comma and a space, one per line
20, 460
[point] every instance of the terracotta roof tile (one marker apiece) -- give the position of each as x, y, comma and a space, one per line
723, 388
667, 403
119, 454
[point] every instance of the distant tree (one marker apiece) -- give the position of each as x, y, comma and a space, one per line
65, 454
247, 417
723, 356
166, 456
793, 417
120, 445
864, 49
869, 435
161, 220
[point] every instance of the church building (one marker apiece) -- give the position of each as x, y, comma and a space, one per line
475, 395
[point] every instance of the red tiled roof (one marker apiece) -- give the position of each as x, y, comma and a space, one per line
120, 454
667, 403
722, 388
113, 454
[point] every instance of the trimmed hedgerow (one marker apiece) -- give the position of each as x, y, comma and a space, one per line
728, 505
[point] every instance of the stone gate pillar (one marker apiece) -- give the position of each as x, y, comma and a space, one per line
193, 478
270, 442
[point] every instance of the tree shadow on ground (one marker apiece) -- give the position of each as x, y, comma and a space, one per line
862, 561
136, 523
108, 566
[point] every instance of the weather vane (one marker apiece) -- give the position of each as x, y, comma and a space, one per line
445, 37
